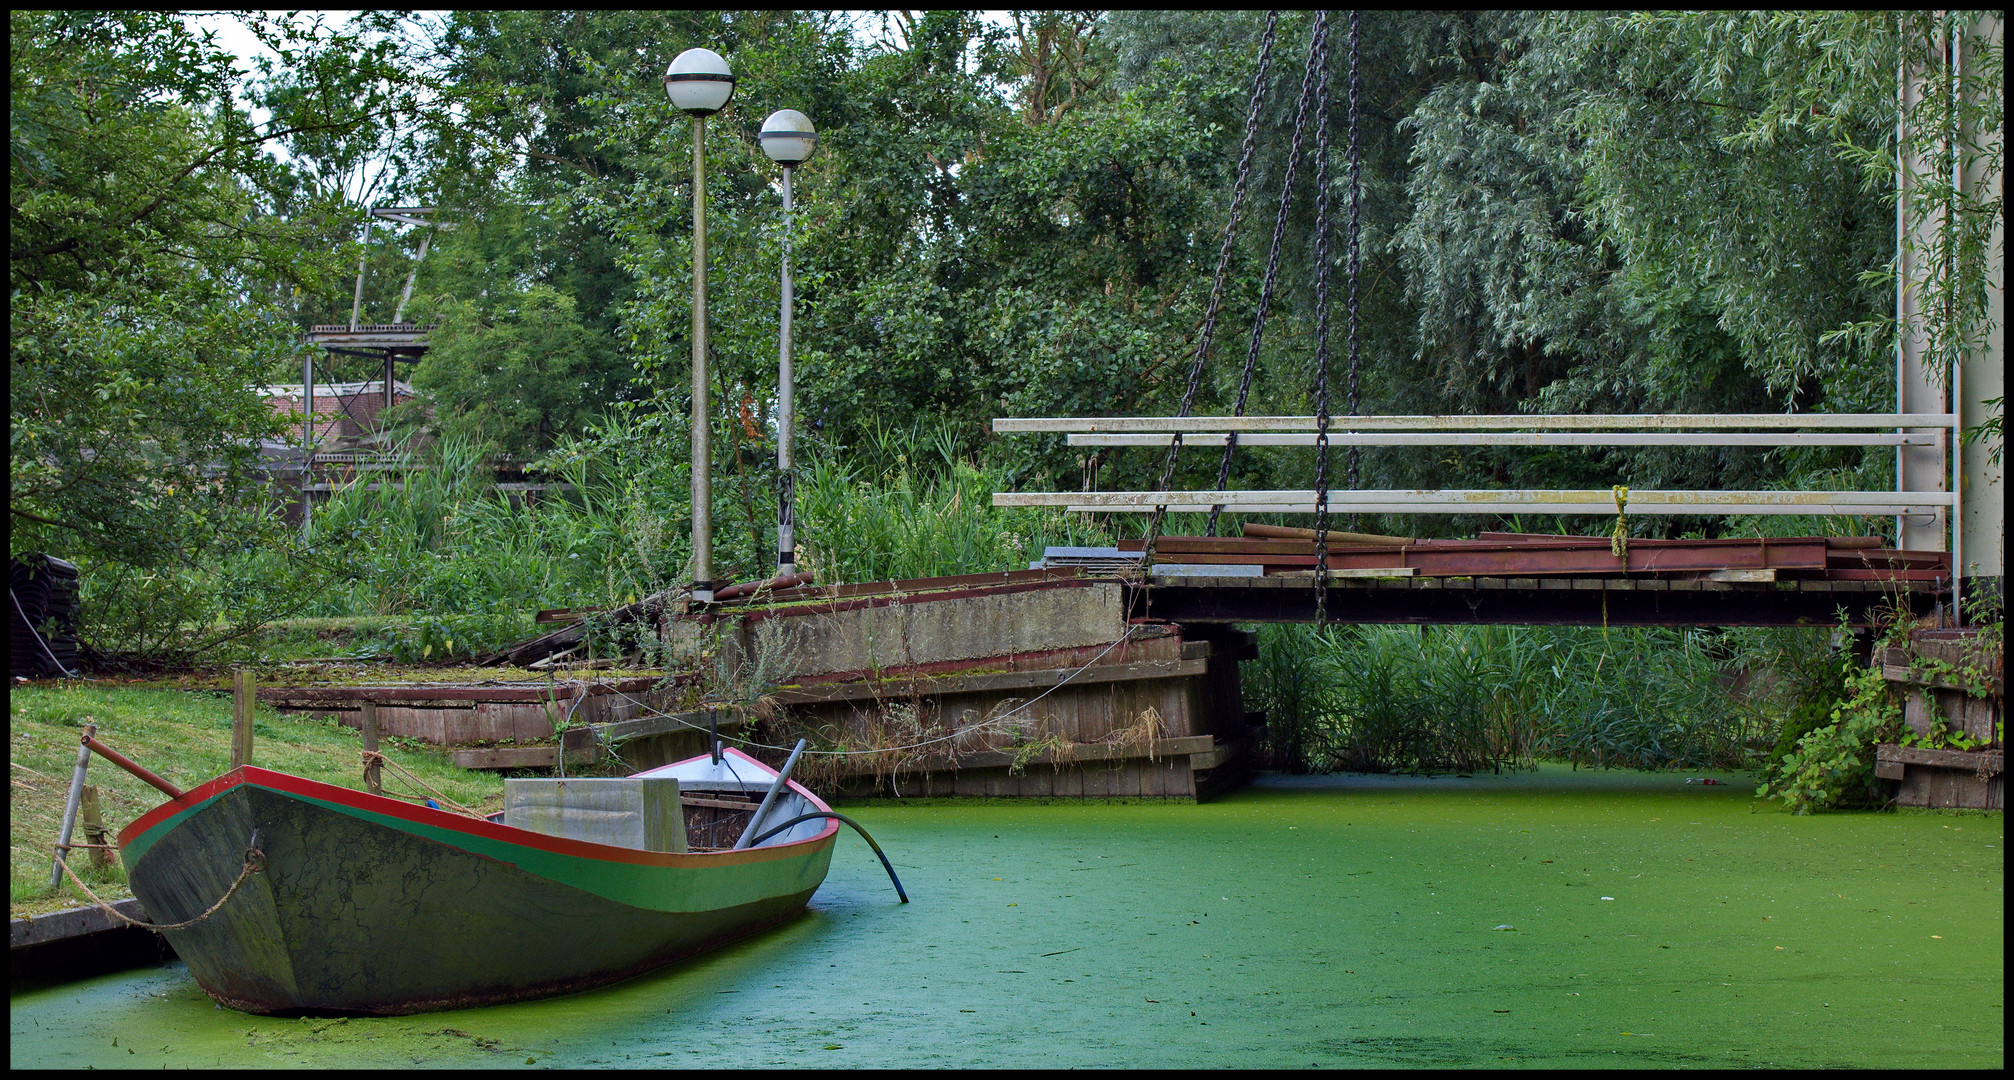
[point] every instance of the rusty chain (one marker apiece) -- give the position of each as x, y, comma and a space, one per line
1356, 234
1322, 345
1318, 39
1215, 305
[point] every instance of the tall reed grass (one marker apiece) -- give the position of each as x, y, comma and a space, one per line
468, 566
1462, 698
913, 504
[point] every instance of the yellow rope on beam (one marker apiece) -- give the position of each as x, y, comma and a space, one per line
1618, 544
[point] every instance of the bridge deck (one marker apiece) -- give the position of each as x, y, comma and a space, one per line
1555, 600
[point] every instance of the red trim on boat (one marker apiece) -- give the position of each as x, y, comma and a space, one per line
378, 804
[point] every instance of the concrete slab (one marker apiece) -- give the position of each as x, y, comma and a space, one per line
922, 628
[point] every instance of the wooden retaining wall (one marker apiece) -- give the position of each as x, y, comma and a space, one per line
1031, 685
1074, 723
505, 718
1942, 777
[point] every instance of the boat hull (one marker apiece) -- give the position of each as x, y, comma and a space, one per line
371, 906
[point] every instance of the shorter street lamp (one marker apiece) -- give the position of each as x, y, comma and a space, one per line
699, 83
788, 138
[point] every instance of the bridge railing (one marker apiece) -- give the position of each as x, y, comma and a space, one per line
1649, 429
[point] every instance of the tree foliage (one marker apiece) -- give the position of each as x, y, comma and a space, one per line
145, 252
1560, 211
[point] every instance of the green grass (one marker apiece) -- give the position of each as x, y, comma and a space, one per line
184, 736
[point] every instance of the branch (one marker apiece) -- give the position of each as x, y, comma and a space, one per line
46, 521
61, 246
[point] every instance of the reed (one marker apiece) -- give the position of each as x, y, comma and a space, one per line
1460, 699
913, 504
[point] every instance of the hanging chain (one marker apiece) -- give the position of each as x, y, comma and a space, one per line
1209, 328
1356, 233
1322, 346
1317, 56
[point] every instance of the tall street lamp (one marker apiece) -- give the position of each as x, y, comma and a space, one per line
788, 138
699, 82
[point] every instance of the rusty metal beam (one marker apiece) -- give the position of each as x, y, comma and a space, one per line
1530, 601
1470, 558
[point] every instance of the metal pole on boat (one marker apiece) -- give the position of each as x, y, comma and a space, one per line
70, 806
133, 767
782, 777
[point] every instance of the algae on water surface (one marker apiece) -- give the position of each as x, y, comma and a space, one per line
1326, 921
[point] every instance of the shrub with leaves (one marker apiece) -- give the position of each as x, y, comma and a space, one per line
1833, 766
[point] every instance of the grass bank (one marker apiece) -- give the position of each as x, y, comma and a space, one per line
185, 736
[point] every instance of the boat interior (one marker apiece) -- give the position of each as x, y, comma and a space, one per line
716, 801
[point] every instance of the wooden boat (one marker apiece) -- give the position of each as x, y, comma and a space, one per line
375, 906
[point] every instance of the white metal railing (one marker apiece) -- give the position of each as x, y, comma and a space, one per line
1521, 438
1507, 422
1642, 429
1511, 501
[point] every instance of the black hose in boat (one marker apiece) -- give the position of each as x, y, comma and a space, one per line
856, 828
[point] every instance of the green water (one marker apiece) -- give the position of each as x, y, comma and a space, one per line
1331, 921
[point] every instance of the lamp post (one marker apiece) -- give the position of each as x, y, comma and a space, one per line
788, 138
699, 83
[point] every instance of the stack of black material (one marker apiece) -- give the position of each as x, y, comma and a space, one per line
45, 606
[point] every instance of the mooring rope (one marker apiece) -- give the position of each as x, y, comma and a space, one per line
255, 863
374, 757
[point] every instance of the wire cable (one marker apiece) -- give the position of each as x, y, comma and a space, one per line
961, 732
46, 651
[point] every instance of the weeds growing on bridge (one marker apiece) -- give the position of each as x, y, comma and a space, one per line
1378, 699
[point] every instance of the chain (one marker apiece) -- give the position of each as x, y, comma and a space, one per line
1356, 233
1322, 346
1209, 328
1317, 53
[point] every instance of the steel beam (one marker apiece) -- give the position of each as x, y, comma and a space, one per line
1412, 601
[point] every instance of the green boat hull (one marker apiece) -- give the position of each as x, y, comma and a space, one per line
370, 906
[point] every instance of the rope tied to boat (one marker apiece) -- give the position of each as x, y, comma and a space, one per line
255, 863
372, 757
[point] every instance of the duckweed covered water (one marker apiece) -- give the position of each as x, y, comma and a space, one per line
1563, 919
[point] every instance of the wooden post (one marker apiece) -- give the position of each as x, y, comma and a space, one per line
70, 805
242, 703
95, 831
367, 711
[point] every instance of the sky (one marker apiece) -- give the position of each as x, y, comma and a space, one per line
232, 34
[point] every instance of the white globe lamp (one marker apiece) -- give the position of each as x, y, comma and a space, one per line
699, 82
